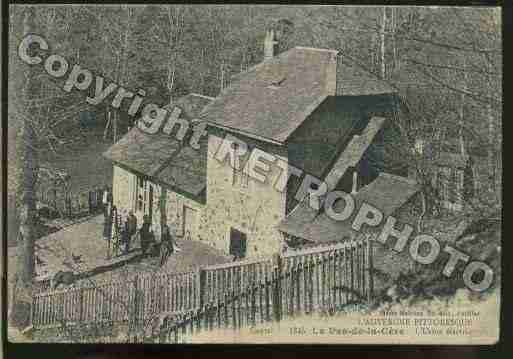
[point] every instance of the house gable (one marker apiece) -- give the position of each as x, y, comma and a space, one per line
387, 192
164, 159
301, 106
272, 99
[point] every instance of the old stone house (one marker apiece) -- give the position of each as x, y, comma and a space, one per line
310, 108
159, 176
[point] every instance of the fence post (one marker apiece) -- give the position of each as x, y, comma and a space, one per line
32, 310
81, 305
62, 308
370, 269
202, 284
55, 198
68, 203
136, 302
277, 287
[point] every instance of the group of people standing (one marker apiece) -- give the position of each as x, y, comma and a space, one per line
109, 212
149, 246
129, 231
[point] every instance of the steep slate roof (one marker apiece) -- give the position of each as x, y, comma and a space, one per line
351, 155
268, 102
187, 170
348, 158
273, 98
164, 158
387, 193
143, 152
353, 80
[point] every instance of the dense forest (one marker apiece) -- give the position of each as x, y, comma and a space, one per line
445, 62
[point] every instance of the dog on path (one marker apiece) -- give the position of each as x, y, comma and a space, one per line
62, 277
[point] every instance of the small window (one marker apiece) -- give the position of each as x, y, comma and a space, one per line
276, 81
141, 195
419, 146
140, 203
240, 178
235, 162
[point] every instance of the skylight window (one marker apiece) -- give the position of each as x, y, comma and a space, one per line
276, 82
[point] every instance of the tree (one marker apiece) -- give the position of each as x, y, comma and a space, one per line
448, 102
27, 181
36, 107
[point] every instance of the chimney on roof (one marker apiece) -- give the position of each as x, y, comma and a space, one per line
270, 44
354, 189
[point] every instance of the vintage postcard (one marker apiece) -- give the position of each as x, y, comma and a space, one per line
253, 174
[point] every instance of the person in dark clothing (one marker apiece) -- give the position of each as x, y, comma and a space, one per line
107, 224
132, 224
99, 197
106, 214
167, 244
107, 227
92, 201
125, 237
145, 233
154, 248
109, 195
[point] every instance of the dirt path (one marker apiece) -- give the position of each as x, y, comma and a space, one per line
85, 240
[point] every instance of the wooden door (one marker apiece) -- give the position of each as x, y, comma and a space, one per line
150, 204
238, 243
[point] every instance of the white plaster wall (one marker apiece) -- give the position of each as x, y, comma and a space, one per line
122, 187
124, 183
174, 206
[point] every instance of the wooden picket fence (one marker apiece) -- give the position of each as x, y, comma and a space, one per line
320, 279
239, 295
137, 298
68, 204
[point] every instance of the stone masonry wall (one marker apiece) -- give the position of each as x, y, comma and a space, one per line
254, 210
